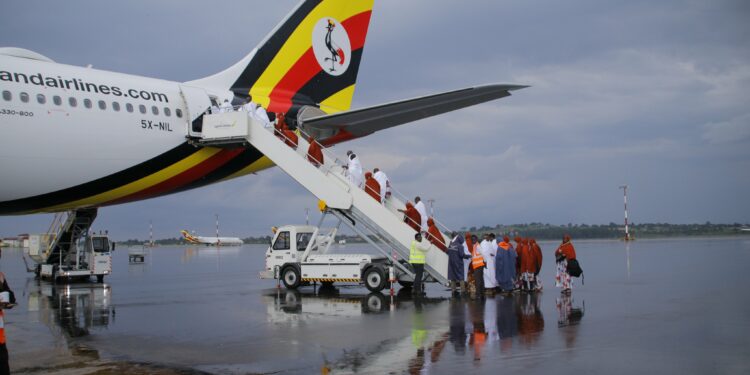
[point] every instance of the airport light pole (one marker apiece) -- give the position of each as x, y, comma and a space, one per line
217, 230
625, 199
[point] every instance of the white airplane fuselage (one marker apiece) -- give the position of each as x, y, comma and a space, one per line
65, 125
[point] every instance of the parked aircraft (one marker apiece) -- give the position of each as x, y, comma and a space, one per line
203, 240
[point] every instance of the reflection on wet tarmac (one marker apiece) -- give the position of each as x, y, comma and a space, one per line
74, 309
483, 327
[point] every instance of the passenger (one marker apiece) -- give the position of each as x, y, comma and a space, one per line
278, 127
372, 186
489, 252
564, 252
457, 252
261, 115
385, 183
537, 252
434, 235
282, 131
214, 107
4, 365
477, 263
411, 216
249, 106
469, 244
505, 266
417, 252
528, 266
225, 107
419, 205
354, 167
314, 152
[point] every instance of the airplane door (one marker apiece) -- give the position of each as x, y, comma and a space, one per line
197, 103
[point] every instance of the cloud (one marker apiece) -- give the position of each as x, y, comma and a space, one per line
734, 130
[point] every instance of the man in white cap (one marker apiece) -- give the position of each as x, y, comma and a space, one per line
355, 169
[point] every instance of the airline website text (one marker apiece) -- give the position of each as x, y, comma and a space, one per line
79, 85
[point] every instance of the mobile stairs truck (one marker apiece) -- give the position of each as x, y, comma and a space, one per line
69, 252
300, 254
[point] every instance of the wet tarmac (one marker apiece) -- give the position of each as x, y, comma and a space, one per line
651, 306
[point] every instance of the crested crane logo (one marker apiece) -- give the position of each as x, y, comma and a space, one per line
331, 46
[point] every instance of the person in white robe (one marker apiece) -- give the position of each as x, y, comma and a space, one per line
226, 106
354, 168
385, 184
419, 205
489, 252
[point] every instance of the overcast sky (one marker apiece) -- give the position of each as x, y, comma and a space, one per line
655, 95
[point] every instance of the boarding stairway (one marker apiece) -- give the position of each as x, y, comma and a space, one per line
61, 237
367, 217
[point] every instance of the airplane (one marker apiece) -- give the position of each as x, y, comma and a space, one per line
77, 138
226, 241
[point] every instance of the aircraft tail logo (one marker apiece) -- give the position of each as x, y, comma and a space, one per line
331, 45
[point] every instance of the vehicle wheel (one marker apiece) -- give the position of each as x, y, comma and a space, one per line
99, 279
374, 279
291, 278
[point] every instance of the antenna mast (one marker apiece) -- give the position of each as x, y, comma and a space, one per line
625, 197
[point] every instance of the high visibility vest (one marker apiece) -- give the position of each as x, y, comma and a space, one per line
477, 260
2, 327
416, 256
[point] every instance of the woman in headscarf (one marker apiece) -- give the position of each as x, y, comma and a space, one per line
564, 252
411, 216
372, 187
314, 152
434, 235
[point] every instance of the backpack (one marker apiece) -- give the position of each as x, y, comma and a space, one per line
574, 268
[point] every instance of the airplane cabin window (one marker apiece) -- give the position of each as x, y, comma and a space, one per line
116, 106
167, 111
24, 97
129, 107
102, 105
154, 110
72, 101
142, 108
41, 98
7, 95
178, 112
57, 100
87, 103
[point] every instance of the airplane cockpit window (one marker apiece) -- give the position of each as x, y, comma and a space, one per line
41, 98
129, 107
87, 103
7, 95
154, 110
178, 112
142, 108
116, 106
24, 97
167, 111
57, 100
72, 101
102, 105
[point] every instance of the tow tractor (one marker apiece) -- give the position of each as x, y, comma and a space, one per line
299, 255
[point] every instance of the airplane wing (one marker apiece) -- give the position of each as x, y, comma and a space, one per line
360, 122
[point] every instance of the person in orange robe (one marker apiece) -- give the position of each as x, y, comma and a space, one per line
434, 235
278, 127
281, 130
528, 266
372, 186
537, 251
412, 217
563, 254
314, 152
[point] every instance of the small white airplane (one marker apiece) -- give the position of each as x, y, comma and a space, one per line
76, 138
224, 241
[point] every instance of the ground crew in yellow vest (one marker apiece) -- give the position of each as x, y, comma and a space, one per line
417, 259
